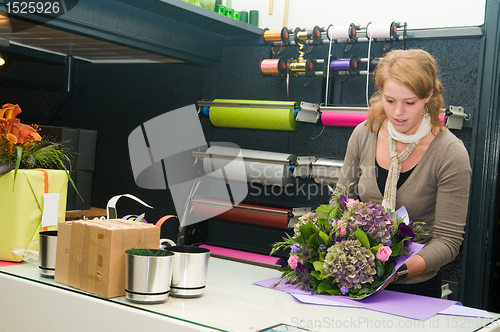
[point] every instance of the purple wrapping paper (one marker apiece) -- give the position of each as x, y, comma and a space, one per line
394, 303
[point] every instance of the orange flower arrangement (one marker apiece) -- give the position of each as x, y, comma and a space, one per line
21, 146
14, 130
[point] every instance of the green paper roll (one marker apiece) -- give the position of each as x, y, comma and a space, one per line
244, 16
253, 118
254, 18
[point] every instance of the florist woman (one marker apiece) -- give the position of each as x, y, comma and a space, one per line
403, 155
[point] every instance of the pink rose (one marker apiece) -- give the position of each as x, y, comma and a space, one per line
292, 261
350, 202
342, 228
383, 253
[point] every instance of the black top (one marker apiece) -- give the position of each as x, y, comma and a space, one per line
382, 174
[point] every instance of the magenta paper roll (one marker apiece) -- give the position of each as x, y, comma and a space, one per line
343, 119
442, 118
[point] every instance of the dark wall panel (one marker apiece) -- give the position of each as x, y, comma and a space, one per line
116, 98
240, 78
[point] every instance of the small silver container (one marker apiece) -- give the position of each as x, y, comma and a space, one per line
147, 278
189, 271
47, 254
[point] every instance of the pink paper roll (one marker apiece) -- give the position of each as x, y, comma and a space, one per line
350, 119
343, 119
243, 255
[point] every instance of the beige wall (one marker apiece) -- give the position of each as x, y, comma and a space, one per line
418, 14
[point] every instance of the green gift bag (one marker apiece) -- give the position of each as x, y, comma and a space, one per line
21, 206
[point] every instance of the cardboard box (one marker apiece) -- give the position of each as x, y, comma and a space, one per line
91, 213
96, 260
62, 252
76, 253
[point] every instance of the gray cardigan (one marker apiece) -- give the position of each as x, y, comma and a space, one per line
436, 192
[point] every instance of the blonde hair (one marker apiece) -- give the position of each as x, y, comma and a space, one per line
414, 69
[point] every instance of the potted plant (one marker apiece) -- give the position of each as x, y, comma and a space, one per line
148, 273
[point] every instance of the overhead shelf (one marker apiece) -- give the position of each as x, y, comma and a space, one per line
199, 17
170, 30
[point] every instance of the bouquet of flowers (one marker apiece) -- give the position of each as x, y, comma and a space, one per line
346, 247
21, 146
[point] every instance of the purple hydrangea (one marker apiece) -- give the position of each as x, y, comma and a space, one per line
373, 219
344, 290
350, 264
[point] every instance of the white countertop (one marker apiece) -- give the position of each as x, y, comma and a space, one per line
230, 303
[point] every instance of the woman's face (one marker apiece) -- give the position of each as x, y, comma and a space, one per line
402, 107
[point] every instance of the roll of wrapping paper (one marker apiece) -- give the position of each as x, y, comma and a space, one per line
243, 213
350, 119
253, 117
326, 170
343, 119
263, 167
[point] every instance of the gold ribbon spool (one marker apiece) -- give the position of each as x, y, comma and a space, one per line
297, 66
272, 35
302, 35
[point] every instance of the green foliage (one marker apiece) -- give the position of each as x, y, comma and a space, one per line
362, 238
380, 268
327, 286
149, 252
327, 211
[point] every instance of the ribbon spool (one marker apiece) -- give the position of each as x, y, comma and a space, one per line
302, 35
342, 32
382, 31
301, 66
350, 65
277, 35
274, 67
